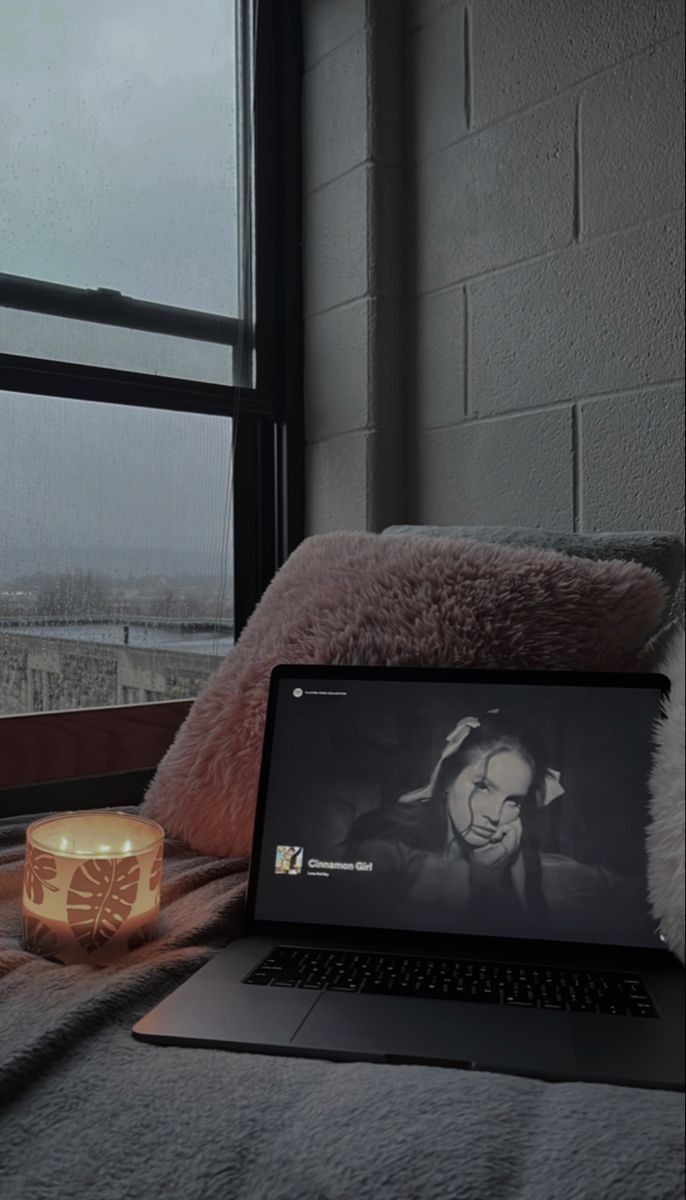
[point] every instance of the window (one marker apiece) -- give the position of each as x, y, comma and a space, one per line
117, 563
150, 363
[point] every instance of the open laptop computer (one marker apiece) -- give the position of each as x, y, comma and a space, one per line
449, 868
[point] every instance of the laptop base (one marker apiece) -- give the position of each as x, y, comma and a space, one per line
215, 1009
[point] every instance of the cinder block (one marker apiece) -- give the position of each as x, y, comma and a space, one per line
439, 377
353, 369
632, 140
387, 14
335, 260
632, 456
604, 317
387, 116
510, 471
328, 23
356, 481
422, 11
337, 365
527, 50
387, 363
386, 487
387, 228
496, 198
336, 486
436, 114
335, 128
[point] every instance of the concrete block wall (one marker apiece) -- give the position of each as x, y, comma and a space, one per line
547, 164
494, 262
354, 183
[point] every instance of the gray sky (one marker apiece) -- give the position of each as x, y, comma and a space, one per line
118, 157
117, 170
114, 488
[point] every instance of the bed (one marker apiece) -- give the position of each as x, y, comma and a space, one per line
88, 1112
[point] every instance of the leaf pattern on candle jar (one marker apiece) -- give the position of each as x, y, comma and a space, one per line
36, 937
156, 872
101, 895
39, 869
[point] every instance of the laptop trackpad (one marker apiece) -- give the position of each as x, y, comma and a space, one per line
409, 1030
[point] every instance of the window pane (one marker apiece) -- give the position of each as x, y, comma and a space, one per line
116, 569
119, 153
122, 349
119, 139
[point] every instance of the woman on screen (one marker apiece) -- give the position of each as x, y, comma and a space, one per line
464, 842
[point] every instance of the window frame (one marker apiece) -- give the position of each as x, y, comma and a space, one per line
268, 499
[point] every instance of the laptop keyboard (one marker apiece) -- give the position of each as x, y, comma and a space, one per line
520, 986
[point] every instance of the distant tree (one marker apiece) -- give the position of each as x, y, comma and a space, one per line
167, 603
74, 594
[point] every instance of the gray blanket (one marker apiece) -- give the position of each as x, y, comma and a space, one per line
87, 1112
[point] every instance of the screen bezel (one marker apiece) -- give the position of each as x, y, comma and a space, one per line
431, 942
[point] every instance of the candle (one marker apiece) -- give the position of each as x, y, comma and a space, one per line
91, 885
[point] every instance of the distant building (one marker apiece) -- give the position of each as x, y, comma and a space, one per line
44, 674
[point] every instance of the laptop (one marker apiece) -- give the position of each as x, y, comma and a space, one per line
449, 868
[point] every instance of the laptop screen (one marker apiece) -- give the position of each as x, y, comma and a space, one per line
449, 806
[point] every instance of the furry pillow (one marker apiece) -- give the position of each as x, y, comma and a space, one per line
360, 598
666, 833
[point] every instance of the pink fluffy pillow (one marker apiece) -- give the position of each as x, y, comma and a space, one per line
359, 598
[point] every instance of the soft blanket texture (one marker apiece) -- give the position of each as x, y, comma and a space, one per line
661, 552
87, 1112
668, 790
363, 598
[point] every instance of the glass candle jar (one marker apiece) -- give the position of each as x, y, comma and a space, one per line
91, 885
